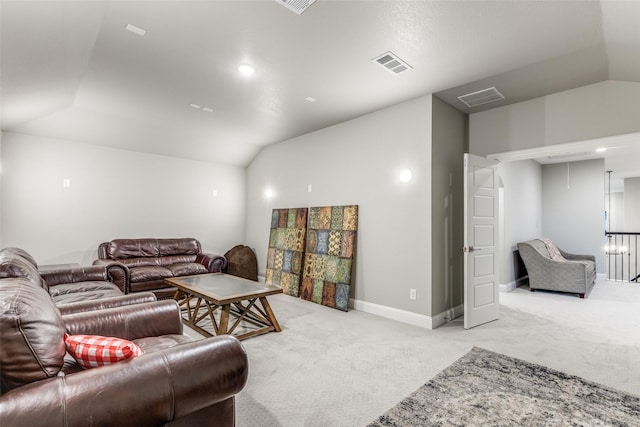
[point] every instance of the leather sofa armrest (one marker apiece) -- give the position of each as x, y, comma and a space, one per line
129, 322
152, 389
120, 276
104, 303
214, 263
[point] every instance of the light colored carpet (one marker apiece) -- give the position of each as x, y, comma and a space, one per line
329, 368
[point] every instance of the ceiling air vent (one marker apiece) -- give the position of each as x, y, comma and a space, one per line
297, 6
392, 63
480, 97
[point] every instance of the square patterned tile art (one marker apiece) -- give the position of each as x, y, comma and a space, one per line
286, 249
328, 257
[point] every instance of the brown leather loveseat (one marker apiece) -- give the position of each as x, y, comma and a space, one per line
150, 261
176, 381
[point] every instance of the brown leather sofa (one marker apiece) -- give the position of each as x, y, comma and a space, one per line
176, 382
74, 289
150, 261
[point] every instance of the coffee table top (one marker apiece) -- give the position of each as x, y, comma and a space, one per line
221, 288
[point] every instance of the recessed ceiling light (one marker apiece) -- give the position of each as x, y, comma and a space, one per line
310, 99
194, 106
207, 109
136, 30
246, 69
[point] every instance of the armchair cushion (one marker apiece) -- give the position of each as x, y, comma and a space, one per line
17, 266
32, 334
91, 351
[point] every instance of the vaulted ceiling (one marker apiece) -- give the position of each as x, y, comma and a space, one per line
71, 69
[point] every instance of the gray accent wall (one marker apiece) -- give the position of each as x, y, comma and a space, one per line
449, 141
573, 207
359, 162
113, 194
522, 213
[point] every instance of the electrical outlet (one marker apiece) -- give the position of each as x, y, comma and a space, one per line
412, 294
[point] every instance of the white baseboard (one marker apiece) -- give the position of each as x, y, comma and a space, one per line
508, 287
411, 318
446, 316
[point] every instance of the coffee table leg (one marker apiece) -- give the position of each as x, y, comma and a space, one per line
270, 315
224, 320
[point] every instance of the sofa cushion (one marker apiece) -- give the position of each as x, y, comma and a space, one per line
134, 248
32, 334
75, 297
88, 286
141, 274
91, 351
65, 293
187, 269
153, 344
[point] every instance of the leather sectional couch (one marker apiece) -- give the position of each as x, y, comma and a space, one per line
73, 289
150, 261
176, 382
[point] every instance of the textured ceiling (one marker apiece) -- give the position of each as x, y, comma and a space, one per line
70, 70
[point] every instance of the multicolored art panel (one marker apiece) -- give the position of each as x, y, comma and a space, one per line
329, 252
286, 249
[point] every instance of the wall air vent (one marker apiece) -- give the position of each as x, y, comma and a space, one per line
481, 97
297, 6
392, 63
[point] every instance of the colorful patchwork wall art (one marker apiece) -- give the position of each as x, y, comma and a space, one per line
329, 252
286, 248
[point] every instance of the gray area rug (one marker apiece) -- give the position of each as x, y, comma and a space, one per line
491, 389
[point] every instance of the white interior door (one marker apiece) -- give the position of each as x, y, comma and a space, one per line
481, 288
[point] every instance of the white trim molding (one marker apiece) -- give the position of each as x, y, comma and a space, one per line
508, 287
409, 317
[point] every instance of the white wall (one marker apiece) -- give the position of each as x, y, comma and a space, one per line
616, 212
522, 183
113, 194
358, 162
631, 205
573, 207
594, 111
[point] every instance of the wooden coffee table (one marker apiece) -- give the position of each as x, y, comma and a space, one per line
215, 299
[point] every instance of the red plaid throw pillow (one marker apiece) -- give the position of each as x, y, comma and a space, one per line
93, 350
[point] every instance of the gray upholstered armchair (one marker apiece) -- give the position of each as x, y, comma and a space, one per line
551, 268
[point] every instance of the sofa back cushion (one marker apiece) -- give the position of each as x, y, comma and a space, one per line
12, 266
31, 334
21, 253
137, 248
